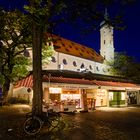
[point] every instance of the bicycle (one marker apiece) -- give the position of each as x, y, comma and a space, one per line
34, 123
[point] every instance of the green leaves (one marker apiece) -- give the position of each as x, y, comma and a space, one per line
15, 37
125, 66
47, 52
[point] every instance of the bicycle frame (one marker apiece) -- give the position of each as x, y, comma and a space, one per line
34, 123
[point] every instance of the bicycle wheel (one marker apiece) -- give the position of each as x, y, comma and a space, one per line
32, 125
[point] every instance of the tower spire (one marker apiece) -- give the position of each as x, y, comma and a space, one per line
106, 41
106, 15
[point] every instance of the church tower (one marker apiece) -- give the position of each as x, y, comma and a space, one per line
106, 39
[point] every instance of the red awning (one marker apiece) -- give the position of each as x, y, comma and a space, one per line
67, 80
115, 84
26, 82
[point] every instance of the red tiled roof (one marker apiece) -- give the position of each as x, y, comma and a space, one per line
115, 84
67, 80
69, 47
28, 82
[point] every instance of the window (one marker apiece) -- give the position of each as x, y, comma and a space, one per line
110, 96
53, 59
104, 41
104, 70
70, 46
97, 68
63, 44
81, 54
82, 66
26, 53
90, 67
123, 95
74, 64
67, 49
64, 61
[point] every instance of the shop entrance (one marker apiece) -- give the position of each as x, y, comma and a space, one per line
132, 98
65, 99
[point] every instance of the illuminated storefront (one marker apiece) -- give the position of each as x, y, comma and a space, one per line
66, 99
69, 94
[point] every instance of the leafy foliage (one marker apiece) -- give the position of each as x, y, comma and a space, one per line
126, 66
88, 14
47, 52
15, 37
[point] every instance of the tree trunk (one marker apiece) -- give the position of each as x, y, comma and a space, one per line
37, 68
5, 89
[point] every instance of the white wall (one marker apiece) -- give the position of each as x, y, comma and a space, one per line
92, 66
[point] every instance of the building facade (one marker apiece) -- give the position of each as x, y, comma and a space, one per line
78, 78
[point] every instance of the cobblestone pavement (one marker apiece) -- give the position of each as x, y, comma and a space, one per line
101, 124
107, 124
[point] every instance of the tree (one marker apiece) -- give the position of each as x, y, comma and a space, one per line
39, 13
14, 39
125, 66
88, 14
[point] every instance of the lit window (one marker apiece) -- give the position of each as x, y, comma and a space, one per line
110, 96
123, 95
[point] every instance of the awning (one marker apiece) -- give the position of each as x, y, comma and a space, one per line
66, 80
116, 84
28, 82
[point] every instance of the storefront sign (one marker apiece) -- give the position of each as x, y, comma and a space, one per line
55, 90
70, 96
70, 91
101, 94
